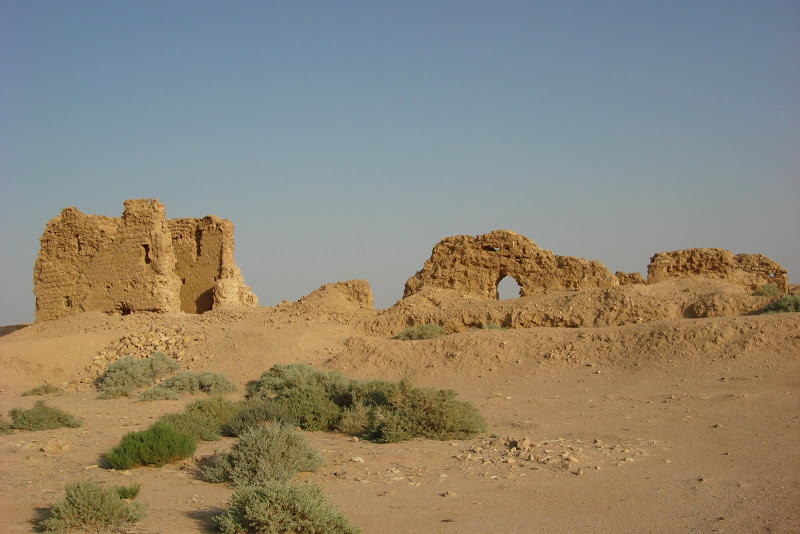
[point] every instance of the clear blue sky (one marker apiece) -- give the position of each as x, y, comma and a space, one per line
344, 139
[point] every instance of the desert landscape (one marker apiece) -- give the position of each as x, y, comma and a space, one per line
613, 402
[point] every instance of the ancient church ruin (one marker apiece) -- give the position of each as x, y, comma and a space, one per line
477, 264
138, 262
749, 270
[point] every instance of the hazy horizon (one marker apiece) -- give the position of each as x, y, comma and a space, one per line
345, 140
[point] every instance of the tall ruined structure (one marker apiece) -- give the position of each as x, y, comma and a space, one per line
138, 262
749, 270
478, 264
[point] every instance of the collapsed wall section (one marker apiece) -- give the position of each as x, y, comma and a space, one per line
749, 270
477, 264
139, 262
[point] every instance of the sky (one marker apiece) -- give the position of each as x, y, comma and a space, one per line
345, 139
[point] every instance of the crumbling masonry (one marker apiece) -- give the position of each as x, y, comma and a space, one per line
478, 264
138, 262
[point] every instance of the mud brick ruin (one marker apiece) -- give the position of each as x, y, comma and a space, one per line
138, 262
478, 264
750, 270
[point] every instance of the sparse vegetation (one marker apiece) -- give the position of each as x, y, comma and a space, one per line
205, 419
44, 389
90, 507
5, 427
785, 304
191, 383
425, 331
128, 492
257, 411
126, 375
280, 507
767, 290
42, 417
264, 454
158, 445
374, 409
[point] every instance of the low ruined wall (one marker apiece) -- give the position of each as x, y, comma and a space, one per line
749, 270
137, 262
478, 264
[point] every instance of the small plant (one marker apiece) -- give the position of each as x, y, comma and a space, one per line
767, 290
128, 492
280, 507
5, 427
263, 454
257, 411
192, 383
124, 376
44, 389
785, 304
205, 420
158, 445
425, 331
88, 506
42, 417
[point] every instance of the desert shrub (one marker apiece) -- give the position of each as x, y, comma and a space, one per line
158, 445
5, 427
425, 331
127, 374
431, 413
355, 420
785, 304
257, 411
374, 409
767, 290
158, 393
204, 419
128, 492
262, 454
44, 389
277, 507
196, 382
88, 506
42, 417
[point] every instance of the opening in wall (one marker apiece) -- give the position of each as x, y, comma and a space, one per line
508, 288
146, 248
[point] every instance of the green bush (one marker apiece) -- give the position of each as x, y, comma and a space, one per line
126, 375
128, 492
262, 454
257, 411
425, 331
42, 417
767, 290
431, 413
158, 445
5, 427
204, 419
277, 507
192, 383
374, 409
44, 389
158, 393
90, 507
785, 304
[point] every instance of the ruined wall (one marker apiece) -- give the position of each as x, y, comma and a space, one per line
477, 264
749, 270
138, 262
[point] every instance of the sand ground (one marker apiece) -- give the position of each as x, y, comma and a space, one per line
665, 425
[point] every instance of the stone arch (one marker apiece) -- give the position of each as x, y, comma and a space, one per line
508, 287
476, 264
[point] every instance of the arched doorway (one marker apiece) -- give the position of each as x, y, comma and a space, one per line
508, 288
